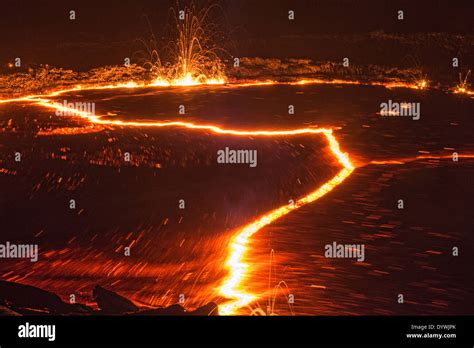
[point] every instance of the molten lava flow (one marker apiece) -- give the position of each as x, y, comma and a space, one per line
189, 79
235, 264
463, 90
194, 79
230, 288
421, 84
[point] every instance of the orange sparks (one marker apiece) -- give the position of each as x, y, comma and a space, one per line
230, 288
189, 80
463, 90
462, 87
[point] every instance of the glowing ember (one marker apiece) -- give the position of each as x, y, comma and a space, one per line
463, 85
422, 84
462, 90
189, 80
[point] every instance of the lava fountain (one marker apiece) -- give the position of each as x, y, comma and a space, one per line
193, 56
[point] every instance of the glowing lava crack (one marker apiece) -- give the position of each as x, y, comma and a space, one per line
237, 267
230, 287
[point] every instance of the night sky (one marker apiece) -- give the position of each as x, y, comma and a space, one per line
105, 31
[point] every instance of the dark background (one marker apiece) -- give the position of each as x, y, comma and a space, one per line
105, 31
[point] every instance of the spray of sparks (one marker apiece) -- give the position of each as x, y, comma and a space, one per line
193, 58
463, 86
231, 287
197, 63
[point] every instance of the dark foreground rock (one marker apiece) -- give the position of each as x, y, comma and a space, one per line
26, 299
111, 302
174, 310
7, 311
21, 299
209, 309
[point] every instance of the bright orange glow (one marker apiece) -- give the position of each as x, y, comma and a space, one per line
462, 87
463, 90
312, 81
388, 162
231, 287
189, 80
237, 247
201, 80
422, 84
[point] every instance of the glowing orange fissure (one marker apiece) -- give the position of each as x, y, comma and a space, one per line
463, 90
230, 287
189, 80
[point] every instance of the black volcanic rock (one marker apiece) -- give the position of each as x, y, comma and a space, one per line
112, 303
27, 299
20, 299
174, 310
209, 309
7, 311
